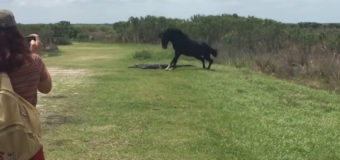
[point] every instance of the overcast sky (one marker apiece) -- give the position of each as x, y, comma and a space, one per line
110, 11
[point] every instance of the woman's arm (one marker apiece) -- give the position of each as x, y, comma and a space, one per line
45, 86
36, 45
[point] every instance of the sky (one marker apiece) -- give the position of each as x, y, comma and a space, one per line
111, 11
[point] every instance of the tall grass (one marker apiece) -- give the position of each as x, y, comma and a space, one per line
315, 67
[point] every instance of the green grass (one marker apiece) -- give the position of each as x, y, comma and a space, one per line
115, 112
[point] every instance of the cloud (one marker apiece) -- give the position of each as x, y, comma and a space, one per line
44, 3
98, 11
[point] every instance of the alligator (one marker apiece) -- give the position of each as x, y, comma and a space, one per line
149, 66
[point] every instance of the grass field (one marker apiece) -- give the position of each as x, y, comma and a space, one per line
110, 111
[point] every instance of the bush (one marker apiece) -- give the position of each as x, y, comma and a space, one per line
63, 41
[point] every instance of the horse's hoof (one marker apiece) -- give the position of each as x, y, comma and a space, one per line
169, 69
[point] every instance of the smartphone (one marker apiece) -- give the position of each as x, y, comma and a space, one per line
29, 39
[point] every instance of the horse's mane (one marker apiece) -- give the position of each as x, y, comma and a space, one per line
176, 33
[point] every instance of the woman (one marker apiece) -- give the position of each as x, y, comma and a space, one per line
22, 63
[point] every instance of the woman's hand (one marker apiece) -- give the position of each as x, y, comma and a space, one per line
36, 45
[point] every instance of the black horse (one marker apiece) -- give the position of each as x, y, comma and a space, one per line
182, 44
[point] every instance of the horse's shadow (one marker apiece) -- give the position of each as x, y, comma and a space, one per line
157, 66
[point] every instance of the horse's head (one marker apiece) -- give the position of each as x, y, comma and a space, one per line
165, 39
173, 35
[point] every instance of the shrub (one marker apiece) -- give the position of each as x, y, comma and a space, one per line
63, 41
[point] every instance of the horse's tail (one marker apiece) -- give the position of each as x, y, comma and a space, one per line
211, 50
214, 52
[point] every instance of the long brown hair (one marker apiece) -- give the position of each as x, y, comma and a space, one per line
13, 49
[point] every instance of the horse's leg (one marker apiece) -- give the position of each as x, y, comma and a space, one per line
210, 62
202, 59
175, 60
172, 64
207, 57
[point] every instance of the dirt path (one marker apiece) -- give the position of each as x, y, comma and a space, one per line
54, 71
49, 104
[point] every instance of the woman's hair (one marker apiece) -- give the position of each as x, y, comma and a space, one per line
13, 49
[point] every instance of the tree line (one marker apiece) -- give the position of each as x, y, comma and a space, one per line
239, 34
305, 49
